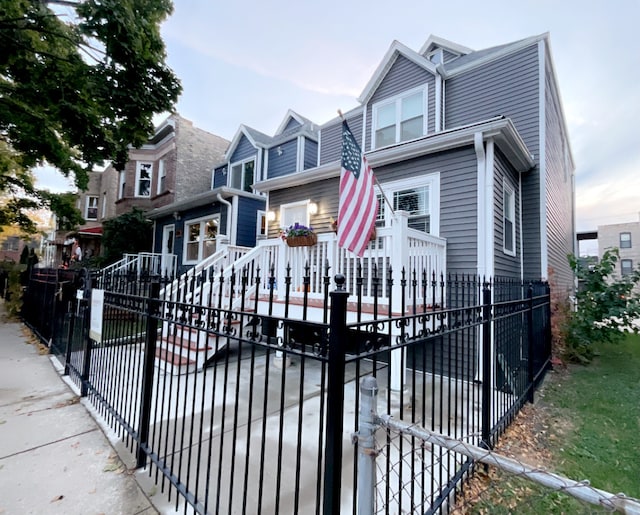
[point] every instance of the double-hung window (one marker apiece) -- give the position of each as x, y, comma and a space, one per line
626, 266
200, 239
419, 197
91, 212
509, 219
242, 175
625, 240
401, 118
143, 179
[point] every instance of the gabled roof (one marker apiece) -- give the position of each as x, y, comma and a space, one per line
295, 116
395, 50
481, 57
256, 138
435, 42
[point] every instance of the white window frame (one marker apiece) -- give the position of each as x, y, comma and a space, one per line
104, 205
88, 206
431, 180
242, 164
629, 270
397, 101
162, 176
262, 224
139, 166
508, 213
122, 182
202, 221
286, 220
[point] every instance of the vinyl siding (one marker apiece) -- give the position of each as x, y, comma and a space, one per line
284, 164
310, 153
331, 137
220, 177
247, 222
292, 125
559, 194
509, 87
504, 264
243, 150
458, 201
402, 76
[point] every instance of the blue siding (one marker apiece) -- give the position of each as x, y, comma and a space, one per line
310, 153
220, 177
243, 150
292, 125
247, 220
284, 164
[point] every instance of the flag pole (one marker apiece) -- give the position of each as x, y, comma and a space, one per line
374, 175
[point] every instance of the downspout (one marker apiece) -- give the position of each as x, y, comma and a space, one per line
478, 143
228, 228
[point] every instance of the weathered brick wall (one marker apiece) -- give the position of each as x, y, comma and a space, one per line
197, 153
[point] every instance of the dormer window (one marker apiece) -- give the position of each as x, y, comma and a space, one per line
242, 175
400, 118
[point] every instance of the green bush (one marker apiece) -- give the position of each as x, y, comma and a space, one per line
606, 306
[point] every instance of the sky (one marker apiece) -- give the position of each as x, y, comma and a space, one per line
249, 62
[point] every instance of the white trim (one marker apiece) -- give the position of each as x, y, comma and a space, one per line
397, 101
507, 188
395, 49
87, 207
438, 100
520, 223
260, 214
233, 237
241, 164
300, 153
482, 226
136, 186
490, 207
502, 129
544, 239
185, 236
162, 166
433, 181
299, 203
454, 48
122, 180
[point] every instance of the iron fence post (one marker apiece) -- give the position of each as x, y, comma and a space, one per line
335, 398
486, 366
85, 312
151, 340
67, 358
366, 486
531, 347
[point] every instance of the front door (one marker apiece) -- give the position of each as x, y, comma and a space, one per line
168, 258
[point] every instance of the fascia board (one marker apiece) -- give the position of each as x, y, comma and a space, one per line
501, 130
396, 49
510, 49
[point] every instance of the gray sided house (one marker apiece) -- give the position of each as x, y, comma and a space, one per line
472, 144
231, 213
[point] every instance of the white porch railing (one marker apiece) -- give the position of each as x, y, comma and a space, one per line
397, 247
144, 262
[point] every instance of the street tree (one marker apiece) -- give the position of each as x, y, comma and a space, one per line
80, 81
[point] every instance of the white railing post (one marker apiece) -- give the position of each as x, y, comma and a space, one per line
399, 260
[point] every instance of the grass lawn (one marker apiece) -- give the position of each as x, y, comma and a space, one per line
585, 425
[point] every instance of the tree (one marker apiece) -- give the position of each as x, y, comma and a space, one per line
75, 93
128, 233
606, 306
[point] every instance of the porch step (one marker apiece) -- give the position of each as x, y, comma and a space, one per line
173, 363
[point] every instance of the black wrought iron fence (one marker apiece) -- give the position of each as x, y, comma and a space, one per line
249, 407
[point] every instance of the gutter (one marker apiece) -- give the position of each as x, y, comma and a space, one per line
229, 213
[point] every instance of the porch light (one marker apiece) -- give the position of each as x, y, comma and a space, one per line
313, 208
271, 216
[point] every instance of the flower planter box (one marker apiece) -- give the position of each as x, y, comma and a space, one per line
302, 241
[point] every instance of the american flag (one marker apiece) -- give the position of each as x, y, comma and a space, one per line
358, 206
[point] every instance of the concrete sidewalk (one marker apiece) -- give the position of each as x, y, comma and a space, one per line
54, 457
